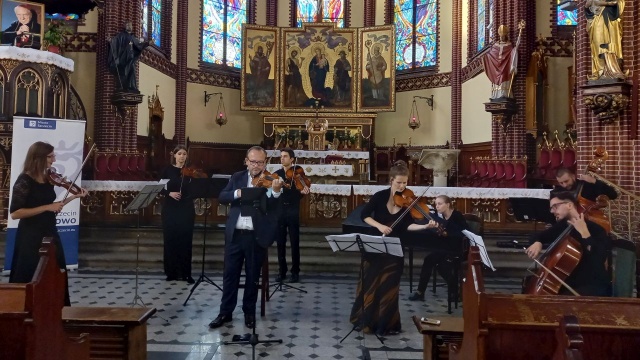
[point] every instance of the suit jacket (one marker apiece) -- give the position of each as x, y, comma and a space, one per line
265, 225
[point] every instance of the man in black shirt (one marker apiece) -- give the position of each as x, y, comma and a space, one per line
591, 187
590, 277
289, 219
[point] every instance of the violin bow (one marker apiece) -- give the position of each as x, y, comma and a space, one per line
93, 147
415, 201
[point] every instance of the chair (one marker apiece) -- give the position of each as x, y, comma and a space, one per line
123, 166
112, 167
569, 159
491, 173
483, 173
457, 262
101, 167
509, 174
382, 165
544, 162
556, 162
622, 267
520, 180
500, 173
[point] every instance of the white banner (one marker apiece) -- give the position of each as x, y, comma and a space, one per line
67, 138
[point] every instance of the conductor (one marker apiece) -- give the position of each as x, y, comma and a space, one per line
249, 232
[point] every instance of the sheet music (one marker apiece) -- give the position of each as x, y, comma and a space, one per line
477, 240
372, 244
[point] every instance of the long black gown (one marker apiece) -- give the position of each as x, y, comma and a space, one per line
178, 217
28, 193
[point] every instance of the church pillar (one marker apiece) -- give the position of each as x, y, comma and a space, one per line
456, 78
111, 131
181, 71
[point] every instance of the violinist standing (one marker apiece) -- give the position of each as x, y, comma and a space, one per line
590, 277
34, 203
376, 305
450, 244
178, 217
247, 237
289, 218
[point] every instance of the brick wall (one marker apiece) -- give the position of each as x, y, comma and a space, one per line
182, 29
456, 78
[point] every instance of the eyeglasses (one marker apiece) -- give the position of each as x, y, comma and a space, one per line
555, 206
256, 163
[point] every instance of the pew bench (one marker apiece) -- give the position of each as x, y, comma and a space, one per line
449, 326
115, 333
503, 326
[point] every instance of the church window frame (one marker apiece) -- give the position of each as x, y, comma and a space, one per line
557, 30
475, 48
346, 18
163, 24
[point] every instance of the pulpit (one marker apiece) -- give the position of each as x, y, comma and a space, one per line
440, 160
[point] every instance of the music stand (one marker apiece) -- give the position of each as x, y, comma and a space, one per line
532, 209
364, 244
252, 200
204, 189
144, 198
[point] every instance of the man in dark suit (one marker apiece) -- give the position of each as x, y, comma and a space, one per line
591, 187
249, 231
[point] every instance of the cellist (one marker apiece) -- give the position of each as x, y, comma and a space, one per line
590, 277
591, 187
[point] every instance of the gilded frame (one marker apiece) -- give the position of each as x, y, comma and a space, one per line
9, 22
319, 71
377, 87
260, 54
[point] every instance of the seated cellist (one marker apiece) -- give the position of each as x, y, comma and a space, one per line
590, 277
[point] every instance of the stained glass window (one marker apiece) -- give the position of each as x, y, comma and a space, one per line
57, 16
332, 11
484, 23
567, 17
220, 46
416, 33
152, 27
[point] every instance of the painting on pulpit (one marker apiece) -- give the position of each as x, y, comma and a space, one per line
318, 64
260, 68
377, 70
22, 23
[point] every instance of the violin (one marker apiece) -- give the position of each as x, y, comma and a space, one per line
591, 209
193, 173
265, 179
297, 178
57, 179
417, 206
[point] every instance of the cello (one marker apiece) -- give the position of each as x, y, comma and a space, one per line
591, 209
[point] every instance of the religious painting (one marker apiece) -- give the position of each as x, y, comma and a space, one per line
318, 65
22, 24
260, 68
377, 69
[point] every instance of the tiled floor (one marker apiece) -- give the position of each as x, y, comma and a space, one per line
310, 324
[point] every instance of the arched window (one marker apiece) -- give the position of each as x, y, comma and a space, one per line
222, 31
566, 17
332, 11
416, 33
59, 97
484, 23
28, 90
151, 24
1, 93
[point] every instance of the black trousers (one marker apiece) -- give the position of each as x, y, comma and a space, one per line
289, 222
242, 248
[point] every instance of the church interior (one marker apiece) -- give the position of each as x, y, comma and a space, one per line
486, 101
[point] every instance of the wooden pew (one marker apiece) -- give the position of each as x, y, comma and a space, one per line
31, 316
504, 326
116, 333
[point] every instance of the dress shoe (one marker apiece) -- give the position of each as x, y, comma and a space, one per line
171, 278
219, 321
188, 279
294, 278
280, 278
416, 296
250, 321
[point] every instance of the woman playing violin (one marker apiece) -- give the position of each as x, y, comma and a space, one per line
590, 277
178, 216
290, 215
380, 282
448, 242
33, 202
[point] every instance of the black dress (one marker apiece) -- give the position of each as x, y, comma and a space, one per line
178, 217
376, 306
28, 194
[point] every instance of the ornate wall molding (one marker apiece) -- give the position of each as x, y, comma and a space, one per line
198, 76
473, 69
554, 47
159, 62
424, 82
81, 42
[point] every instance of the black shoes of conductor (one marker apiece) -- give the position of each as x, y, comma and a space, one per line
250, 321
219, 321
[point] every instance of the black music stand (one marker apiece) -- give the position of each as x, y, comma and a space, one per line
532, 209
363, 243
252, 200
204, 189
144, 198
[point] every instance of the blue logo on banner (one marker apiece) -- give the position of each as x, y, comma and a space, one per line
39, 124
